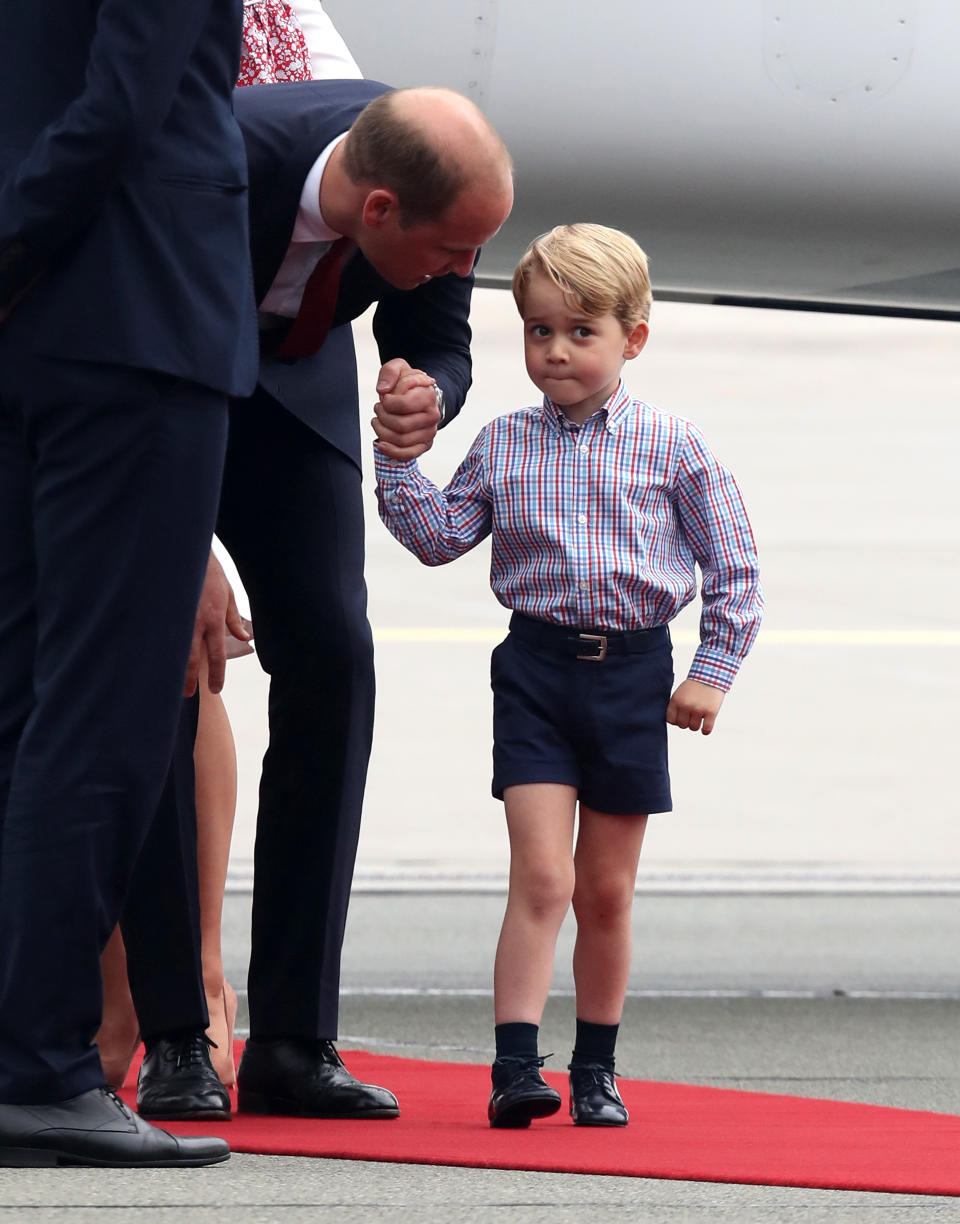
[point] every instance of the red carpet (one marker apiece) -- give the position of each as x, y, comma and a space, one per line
676, 1131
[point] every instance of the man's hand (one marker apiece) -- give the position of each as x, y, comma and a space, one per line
407, 414
694, 706
216, 612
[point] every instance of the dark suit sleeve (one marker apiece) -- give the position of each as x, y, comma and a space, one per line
429, 327
134, 68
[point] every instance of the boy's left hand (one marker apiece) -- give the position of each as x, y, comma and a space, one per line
694, 706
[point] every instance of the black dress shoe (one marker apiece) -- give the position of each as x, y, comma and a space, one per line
95, 1128
520, 1093
305, 1079
177, 1081
594, 1099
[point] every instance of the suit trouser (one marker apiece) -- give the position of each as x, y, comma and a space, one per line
162, 938
108, 489
291, 516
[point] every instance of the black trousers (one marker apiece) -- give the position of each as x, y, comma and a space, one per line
162, 939
291, 516
109, 479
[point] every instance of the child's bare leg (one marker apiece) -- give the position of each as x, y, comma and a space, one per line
540, 820
216, 789
608, 848
606, 857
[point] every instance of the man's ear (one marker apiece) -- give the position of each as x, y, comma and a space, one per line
635, 340
379, 206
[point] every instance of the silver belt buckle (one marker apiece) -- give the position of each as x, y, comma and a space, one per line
601, 653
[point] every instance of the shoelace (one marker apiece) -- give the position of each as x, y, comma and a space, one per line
593, 1068
190, 1051
527, 1066
602, 1077
120, 1104
329, 1054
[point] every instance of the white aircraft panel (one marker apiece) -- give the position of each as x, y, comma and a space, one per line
782, 149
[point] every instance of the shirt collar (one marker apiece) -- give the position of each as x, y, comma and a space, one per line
613, 413
310, 225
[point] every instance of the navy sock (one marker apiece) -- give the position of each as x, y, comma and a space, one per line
596, 1043
517, 1040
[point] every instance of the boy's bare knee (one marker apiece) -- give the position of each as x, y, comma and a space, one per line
602, 906
547, 892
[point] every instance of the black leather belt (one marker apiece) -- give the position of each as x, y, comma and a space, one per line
592, 645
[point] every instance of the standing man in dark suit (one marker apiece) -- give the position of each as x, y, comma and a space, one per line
415, 181
126, 320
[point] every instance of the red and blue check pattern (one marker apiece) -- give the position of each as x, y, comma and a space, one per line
598, 526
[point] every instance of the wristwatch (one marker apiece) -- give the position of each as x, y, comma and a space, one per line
438, 392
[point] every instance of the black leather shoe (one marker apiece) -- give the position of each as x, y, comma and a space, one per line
95, 1128
177, 1081
520, 1093
305, 1079
594, 1099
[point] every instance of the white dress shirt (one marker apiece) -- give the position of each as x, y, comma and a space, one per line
310, 241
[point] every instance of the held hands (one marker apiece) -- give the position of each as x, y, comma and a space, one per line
216, 614
407, 414
694, 706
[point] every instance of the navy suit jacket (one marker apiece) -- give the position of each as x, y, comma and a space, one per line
286, 127
123, 210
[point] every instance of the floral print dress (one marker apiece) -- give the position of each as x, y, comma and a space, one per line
274, 45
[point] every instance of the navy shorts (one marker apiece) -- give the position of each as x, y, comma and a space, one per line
598, 725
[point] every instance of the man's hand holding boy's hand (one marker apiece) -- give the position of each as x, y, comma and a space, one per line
694, 706
407, 413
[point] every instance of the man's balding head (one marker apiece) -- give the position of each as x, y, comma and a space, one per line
427, 146
421, 182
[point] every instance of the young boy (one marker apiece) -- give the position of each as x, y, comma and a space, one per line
599, 506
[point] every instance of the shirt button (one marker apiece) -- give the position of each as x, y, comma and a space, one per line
581, 518
584, 449
584, 586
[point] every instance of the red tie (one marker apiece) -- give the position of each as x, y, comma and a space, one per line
309, 329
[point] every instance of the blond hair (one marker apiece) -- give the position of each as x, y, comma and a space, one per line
601, 269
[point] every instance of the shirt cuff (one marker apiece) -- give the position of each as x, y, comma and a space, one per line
391, 471
714, 667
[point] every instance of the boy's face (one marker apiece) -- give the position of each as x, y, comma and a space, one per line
572, 357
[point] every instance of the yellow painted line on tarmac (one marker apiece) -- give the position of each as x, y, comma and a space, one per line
420, 633
477, 636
